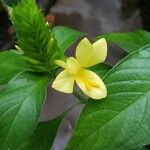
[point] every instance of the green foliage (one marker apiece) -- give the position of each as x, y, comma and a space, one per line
22, 98
32, 32
62, 38
11, 64
65, 36
21, 101
118, 122
43, 136
122, 119
129, 41
35, 38
11, 2
141, 148
100, 69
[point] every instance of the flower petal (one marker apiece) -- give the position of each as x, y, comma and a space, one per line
91, 84
64, 82
99, 52
73, 65
84, 51
61, 63
88, 55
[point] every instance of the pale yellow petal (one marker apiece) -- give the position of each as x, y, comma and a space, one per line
84, 51
73, 65
61, 63
64, 82
99, 52
91, 84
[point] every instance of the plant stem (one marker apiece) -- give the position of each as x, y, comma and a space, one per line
79, 97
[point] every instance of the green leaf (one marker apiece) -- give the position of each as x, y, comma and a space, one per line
141, 148
129, 41
65, 36
43, 136
31, 29
122, 119
11, 2
100, 69
21, 101
10, 65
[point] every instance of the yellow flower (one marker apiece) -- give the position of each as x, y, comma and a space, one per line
87, 55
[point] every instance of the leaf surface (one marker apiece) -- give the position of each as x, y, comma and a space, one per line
65, 36
100, 69
10, 65
21, 101
129, 41
44, 135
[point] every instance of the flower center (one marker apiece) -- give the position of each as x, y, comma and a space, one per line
90, 85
